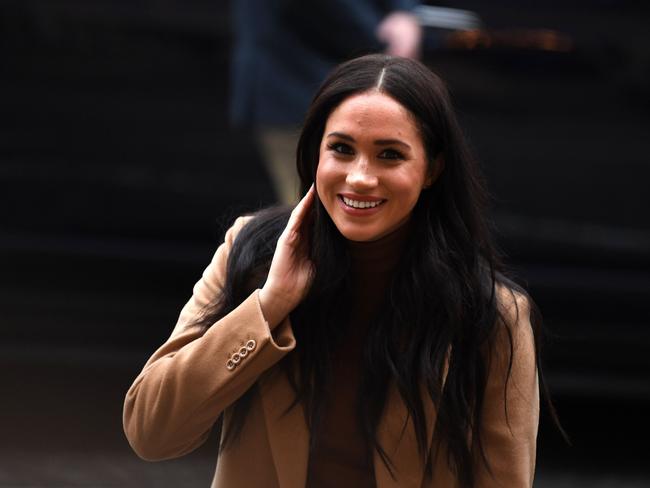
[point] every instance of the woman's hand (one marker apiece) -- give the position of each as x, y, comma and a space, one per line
402, 34
290, 274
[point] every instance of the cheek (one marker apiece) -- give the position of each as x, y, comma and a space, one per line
409, 182
408, 190
324, 176
319, 178
325, 185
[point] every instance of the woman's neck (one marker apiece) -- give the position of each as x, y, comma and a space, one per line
381, 255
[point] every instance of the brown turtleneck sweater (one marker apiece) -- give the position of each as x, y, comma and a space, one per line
341, 457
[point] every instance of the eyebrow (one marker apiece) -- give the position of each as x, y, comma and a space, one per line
378, 142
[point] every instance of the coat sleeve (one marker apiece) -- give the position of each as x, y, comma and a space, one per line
173, 403
510, 413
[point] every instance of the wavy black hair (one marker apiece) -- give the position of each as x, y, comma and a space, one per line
441, 307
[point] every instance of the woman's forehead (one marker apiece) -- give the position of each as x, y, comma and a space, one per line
371, 111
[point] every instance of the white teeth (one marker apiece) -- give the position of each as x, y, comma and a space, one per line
358, 204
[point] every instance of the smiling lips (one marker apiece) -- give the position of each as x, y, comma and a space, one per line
360, 204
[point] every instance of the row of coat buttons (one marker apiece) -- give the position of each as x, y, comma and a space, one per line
236, 358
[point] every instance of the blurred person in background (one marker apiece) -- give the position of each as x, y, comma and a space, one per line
368, 337
284, 49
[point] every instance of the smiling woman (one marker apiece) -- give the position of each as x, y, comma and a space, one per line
372, 166
367, 337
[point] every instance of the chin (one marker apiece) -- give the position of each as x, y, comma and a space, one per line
358, 235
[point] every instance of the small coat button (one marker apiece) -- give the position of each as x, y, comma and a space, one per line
230, 365
251, 344
243, 352
235, 358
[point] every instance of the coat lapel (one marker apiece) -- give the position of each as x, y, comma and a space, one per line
288, 432
397, 437
289, 436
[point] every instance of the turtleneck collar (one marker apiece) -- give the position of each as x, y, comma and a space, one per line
383, 254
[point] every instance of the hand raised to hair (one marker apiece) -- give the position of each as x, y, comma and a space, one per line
291, 270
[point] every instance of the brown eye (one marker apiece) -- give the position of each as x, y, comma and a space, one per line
340, 148
391, 154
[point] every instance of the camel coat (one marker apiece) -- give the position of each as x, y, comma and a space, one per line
195, 376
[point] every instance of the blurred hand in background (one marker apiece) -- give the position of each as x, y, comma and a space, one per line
402, 34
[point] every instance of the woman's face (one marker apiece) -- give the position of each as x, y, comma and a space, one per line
372, 166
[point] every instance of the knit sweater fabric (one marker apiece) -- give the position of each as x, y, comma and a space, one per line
342, 456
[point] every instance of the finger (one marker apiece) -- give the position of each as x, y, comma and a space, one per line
291, 233
299, 212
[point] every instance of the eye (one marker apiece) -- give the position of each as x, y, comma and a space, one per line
341, 148
391, 154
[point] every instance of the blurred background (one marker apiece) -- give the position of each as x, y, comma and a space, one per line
120, 169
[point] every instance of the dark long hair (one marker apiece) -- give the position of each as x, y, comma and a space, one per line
441, 308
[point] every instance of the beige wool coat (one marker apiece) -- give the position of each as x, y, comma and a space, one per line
195, 376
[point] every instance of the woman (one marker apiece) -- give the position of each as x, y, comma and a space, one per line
368, 337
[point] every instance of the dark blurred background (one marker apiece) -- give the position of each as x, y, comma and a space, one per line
119, 172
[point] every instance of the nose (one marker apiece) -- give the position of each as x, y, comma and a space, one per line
360, 177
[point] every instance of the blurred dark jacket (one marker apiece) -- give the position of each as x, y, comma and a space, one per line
284, 49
